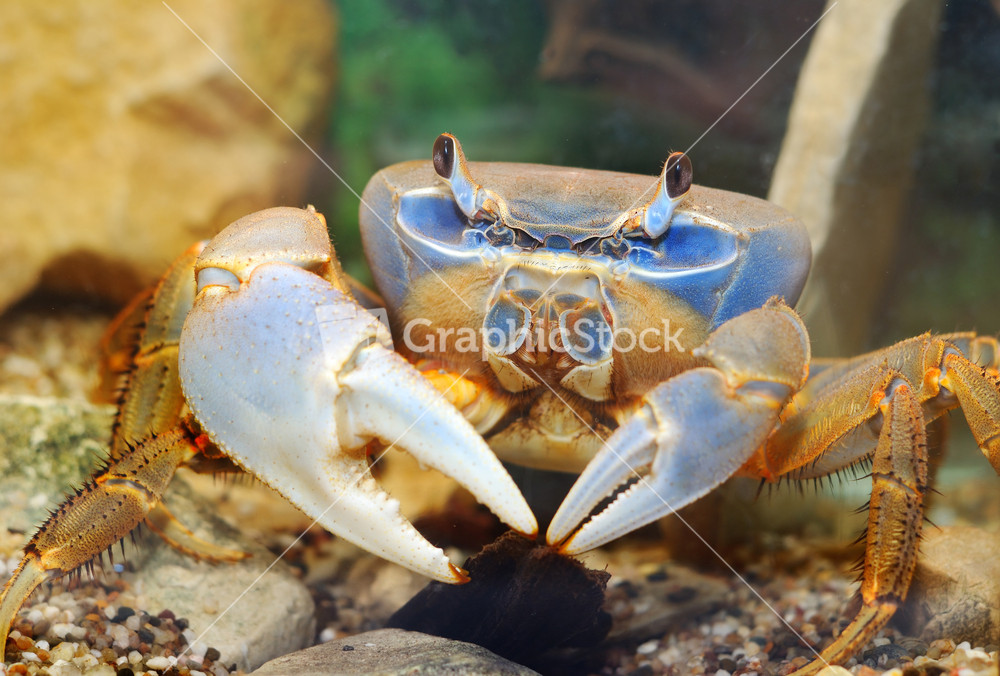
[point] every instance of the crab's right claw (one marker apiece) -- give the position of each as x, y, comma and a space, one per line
292, 378
693, 432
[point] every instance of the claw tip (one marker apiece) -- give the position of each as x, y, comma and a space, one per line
461, 575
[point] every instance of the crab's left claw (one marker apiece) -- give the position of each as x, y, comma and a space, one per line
292, 378
693, 432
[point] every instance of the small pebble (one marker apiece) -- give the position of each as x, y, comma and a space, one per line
648, 648
64, 668
159, 663
120, 635
63, 651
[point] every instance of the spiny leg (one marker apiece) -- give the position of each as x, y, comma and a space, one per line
145, 336
839, 419
101, 513
895, 517
978, 391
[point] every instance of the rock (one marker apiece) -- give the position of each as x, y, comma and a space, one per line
885, 656
523, 600
125, 139
50, 445
245, 610
47, 446
392, 651
956, 587
846, 163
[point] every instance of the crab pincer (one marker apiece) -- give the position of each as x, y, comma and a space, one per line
692, 433
292, 379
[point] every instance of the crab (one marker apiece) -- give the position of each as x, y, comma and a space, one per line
635, 330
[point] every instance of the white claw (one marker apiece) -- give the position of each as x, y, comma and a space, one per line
693, 433
292, 391
385, 397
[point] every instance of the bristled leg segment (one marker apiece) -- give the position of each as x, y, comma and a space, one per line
101, 513
895, 518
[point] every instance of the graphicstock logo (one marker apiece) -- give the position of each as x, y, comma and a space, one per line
587, 338
592, 340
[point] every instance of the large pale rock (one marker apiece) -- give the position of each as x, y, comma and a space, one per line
393, 651
125, 139
47, 446
846, 164
956, 587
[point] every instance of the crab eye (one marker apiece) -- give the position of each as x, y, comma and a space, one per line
677, 178
443, 155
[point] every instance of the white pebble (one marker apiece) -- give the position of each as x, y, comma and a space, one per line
159, 663
134, 657
85, 661
881, 641
120, 635
648, 648
100, 670
28, 656
722, 629
42, 645
977, 654
64, 668
327, 635
110, 612
121, 660
132, 622
197, 649
35, 616
62, 629
64, 651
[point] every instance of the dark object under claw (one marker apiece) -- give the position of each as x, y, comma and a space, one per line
524, 599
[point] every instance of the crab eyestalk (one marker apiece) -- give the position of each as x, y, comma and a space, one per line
652, 219
474, 200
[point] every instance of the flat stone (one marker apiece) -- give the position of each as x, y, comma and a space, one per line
956, 587
249, 611
125, 139
392, 651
